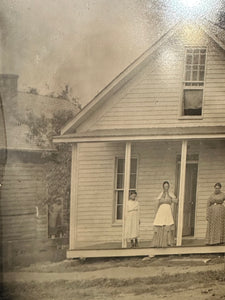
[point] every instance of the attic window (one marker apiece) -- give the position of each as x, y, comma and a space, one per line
193, 81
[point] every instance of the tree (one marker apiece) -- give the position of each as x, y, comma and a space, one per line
221, 17
42, 129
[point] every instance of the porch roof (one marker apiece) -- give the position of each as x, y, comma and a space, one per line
139, 134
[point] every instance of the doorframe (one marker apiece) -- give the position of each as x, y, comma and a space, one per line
191, 161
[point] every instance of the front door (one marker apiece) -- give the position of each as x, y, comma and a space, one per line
189, 198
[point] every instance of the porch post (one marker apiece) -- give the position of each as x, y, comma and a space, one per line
73, 197
181, 192
126, 191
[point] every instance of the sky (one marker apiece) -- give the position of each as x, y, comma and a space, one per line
84, 43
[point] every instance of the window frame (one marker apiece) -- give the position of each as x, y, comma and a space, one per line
192, 87
118, 222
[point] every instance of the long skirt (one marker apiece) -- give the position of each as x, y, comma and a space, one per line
163, 236
164, 229
132, 225
215, 233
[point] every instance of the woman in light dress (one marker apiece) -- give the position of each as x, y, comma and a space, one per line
164, 227
133, 220
215, 233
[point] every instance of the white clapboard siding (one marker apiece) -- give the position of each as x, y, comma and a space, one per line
156, 163
211, 170
154, 97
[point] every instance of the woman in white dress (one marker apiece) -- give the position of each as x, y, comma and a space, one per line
164, 227
133, 219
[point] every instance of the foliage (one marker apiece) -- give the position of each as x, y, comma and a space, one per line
66, 94
221, 17
41, 131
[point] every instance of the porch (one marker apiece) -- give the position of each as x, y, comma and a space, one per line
145, 248
93, 221
113, 250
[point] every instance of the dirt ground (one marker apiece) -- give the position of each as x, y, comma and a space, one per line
173, 277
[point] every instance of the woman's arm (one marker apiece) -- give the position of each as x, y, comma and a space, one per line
209, 202
175, 200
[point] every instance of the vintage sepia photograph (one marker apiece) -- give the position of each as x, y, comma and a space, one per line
112, 149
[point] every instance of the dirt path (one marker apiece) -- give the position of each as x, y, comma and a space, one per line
126, 279
110, 273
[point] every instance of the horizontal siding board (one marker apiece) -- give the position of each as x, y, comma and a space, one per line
154, 97
95, 207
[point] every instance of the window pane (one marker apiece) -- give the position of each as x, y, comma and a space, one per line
133, 168
195, 75
132, 181
120, 197
196, 59
193, 102
202, 60
189, 59
196, 51
188, 76
119, 212
195, 62
119, 181
201, 75
120, 166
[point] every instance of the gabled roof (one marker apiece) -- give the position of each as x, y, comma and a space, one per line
116, 83
212, 30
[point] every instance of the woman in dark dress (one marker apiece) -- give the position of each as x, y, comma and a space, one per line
215, 233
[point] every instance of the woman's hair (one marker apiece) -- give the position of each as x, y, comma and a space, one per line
217, 184
165, 182
133, 192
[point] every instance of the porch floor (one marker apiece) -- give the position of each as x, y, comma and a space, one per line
142, 244
189, 246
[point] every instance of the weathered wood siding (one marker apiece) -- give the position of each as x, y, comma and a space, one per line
156, 163
23, 187
154, 96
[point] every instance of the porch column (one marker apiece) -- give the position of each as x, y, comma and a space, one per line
181, 192
126, 191
73, 197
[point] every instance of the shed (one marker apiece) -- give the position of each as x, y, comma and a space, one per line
24, 224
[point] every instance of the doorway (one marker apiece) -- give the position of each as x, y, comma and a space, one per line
190, 196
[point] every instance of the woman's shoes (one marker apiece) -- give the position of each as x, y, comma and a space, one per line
134, 243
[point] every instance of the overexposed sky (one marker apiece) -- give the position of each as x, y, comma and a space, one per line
83, 43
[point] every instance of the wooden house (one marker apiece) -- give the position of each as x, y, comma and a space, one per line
162, 118
24, 222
